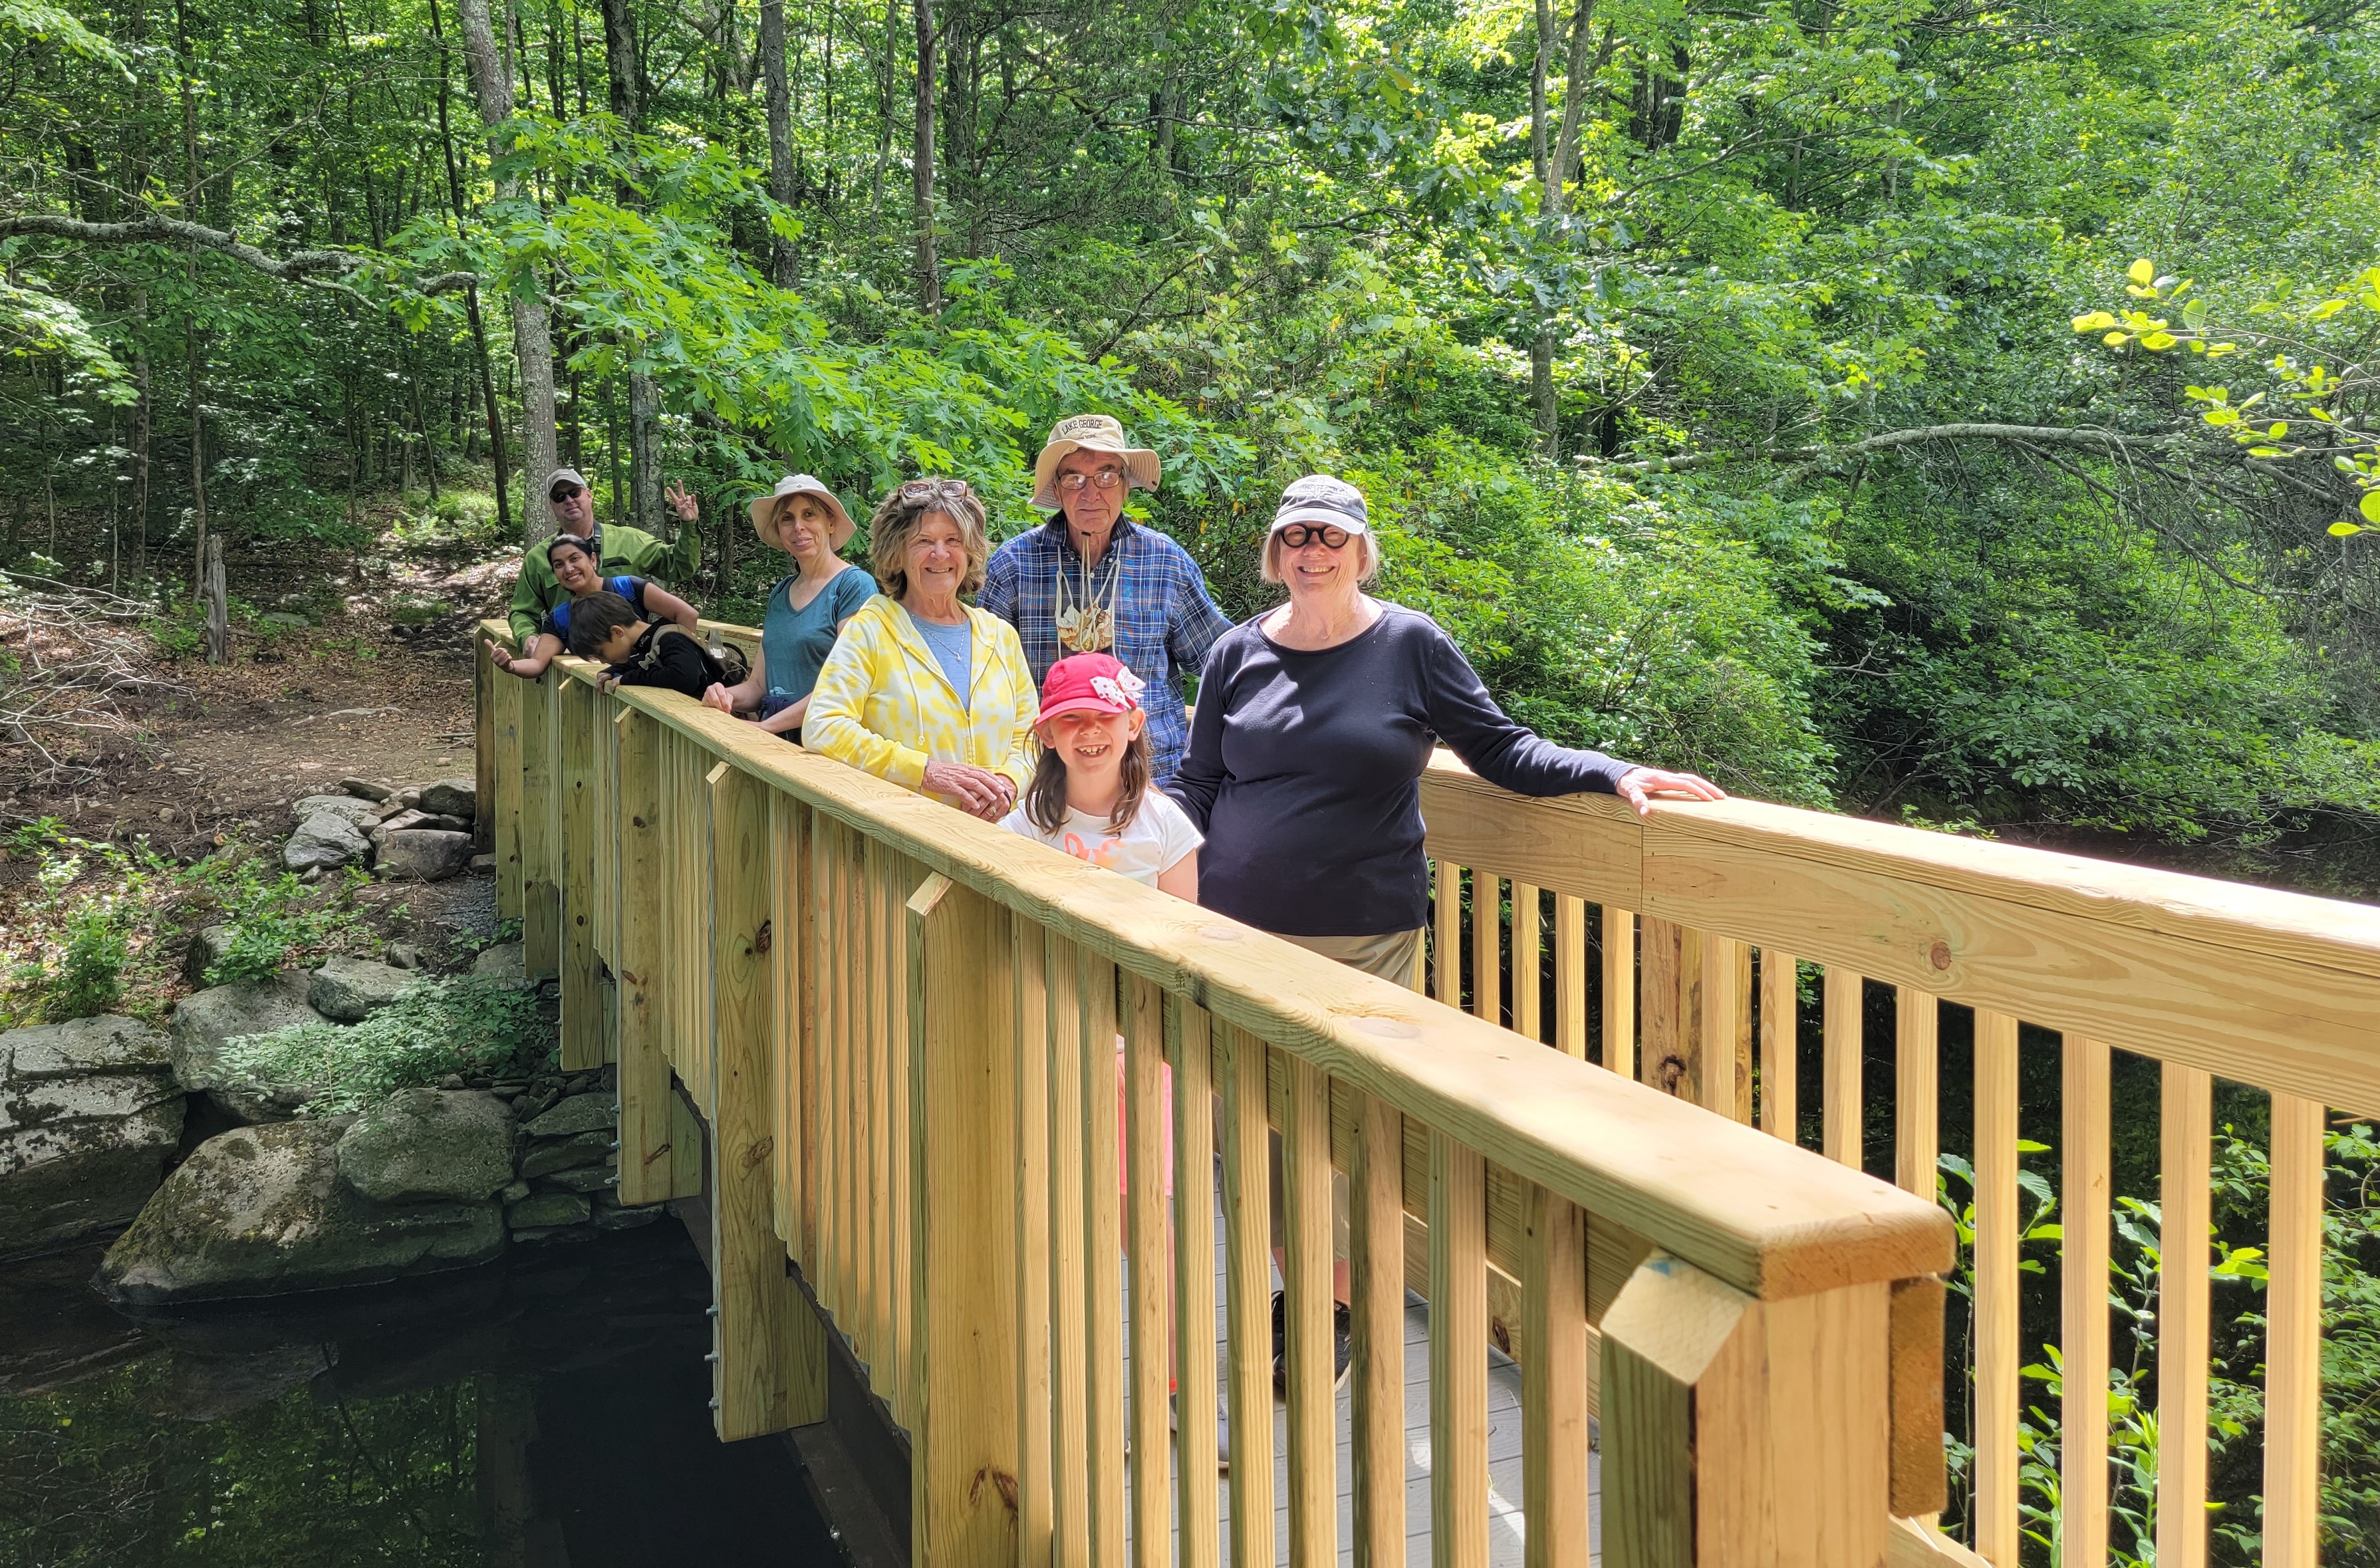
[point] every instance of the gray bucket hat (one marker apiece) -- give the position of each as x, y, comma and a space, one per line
764, 511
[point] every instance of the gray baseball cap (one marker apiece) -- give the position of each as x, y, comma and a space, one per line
572, 475
1318, 498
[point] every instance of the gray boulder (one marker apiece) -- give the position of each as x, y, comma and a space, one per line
365, 789
207, 1020
423, 854
542, 1209
451, 798
345, 989
89, 1113
325, 842
421, 1145
579, 1114
567, 1154
403, 956
358, 814
261, 1210
206, 949
504, 965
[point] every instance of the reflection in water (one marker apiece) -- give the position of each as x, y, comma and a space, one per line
552, 1412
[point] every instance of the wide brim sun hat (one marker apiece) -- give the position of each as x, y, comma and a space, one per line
1090, 432
764, 511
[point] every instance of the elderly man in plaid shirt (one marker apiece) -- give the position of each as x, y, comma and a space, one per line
1092, 581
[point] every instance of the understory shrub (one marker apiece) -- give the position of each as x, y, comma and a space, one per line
469, 1026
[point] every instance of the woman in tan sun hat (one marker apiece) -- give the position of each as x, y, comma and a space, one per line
807, 609
1093, 581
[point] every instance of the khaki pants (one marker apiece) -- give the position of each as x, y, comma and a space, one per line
1394, 956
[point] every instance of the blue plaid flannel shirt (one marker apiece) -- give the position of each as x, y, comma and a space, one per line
1165, 623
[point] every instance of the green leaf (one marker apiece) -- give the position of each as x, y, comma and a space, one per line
2370, 505
2344, 530
2142, 271
2156, 340
2098, 321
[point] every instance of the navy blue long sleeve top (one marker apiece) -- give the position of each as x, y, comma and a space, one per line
1303, 771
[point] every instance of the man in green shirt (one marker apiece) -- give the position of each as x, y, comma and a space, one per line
618, 549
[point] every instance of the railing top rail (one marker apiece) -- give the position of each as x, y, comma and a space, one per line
1768, 1218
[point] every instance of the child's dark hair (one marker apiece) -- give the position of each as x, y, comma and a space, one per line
594, 618
562, 542
1045, 797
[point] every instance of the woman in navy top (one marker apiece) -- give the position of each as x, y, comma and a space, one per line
574, 567
807, 609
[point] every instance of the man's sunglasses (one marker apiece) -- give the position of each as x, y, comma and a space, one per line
565, 491
1298, 535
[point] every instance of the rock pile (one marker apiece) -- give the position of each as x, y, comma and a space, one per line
420, 831
568, 1178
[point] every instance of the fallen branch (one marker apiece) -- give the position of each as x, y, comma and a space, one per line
314, 267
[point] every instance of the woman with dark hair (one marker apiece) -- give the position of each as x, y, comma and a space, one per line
574, 567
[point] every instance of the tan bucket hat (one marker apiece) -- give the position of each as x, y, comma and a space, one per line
1091, 433
764, 511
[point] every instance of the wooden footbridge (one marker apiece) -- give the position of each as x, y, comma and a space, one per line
1603, 1306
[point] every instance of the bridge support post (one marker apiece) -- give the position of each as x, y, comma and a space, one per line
1744, 1433
771, 1373
963, 1064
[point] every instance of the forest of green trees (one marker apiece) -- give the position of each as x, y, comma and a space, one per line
1942, 412
1715, 368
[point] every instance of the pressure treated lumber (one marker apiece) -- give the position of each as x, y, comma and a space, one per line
1189, 1045
1377, 1369
2293, 1357
648, 1108
584, 1005
1997, 1361
2085, 1202
1248, 1275
1310, 1359
1029, 955
1780, 1034
1917, 1091
1558, 1377
1845, 1107
2185, 1137
541, 801
1458, 1363
506, 732
962, 1059
1151, 1291
1619, 991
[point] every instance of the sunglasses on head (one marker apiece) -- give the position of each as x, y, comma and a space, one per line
565, 491
1298, 535
936, 489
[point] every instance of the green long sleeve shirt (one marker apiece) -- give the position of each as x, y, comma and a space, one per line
619, 549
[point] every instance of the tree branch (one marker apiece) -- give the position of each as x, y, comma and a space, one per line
157, 228
2045, 435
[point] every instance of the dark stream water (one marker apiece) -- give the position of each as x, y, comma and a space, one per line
548, 1412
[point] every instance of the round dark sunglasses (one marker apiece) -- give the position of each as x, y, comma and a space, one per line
1298, 535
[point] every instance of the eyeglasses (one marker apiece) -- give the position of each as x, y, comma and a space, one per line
1105, 479
936, 489
1298, 535
565, 491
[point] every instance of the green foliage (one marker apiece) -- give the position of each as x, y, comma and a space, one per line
276, 919
434, 1028
91, 899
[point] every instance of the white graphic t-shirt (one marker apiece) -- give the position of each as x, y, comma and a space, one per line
1156, 839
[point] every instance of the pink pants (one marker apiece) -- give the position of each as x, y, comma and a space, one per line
1123, 1149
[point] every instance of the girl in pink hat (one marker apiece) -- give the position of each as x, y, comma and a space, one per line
1090, 794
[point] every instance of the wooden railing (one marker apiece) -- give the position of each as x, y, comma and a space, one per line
879, 1039
1654, 927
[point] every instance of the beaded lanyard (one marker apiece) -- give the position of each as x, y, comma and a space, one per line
1085, 625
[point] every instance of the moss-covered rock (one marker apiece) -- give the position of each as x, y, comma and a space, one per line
262, 1210
205, 1022
346, 990
424, 1145
89, 1113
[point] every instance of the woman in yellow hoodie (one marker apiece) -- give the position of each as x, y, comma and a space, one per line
921, 689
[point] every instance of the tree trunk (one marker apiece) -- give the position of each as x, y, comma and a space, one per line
1541, 347
142, 417
218, 636
644, 455
471, 295
533, 338
784, 265
929, 278
194, 343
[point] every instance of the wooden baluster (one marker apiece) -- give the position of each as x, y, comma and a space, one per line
1619, 991
791, 1048
2293, 1351
1723, 1023
509, 690
1152, 1356
850, 1013
1743, 1041
1028, 957
1311, 1359
541, 803
1737, 1430
875, 963
1558, 1381
2185, 1152
484, 676
1487, 946
900, 1133
1781, 1021
1458, 1357
1846, 1107
1247, 1286
648, 1104
1069, 1352
1103, 1253
2082, 1303
1189, 1033
1917, 1091
962, 1058
1528, 956
835, 1118
1446, 935
1996, 1289
770, 1371
1570, 975
583, 1003
1377, 1309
